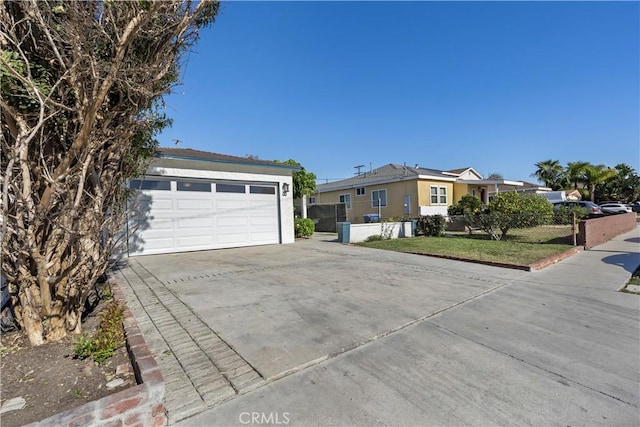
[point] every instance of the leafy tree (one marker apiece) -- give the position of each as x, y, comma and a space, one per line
511, 210
550, 172
495, 175
625, 186
304, 183
467, 204
595, 175
82, 85
575, 172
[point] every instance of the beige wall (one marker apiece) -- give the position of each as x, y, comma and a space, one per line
361, 205
424, 192
418, 191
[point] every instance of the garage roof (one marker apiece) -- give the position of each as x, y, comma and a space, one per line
190, 154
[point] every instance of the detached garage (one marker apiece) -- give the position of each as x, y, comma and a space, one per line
193, 200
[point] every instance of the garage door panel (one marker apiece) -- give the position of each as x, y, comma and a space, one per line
191, 241
154, 203
232, 221
264, 236
156, 223
179, 221
199, 222
232, 238
230, 204
156, 244
197, 204
262, 220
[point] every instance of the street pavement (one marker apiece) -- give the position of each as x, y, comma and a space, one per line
318, 333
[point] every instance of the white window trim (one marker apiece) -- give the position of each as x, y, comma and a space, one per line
385, 198
312, 200
347, 204
364, 191
438, 188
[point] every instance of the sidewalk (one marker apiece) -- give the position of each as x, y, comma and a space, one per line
608, 266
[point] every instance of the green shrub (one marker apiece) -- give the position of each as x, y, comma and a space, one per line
433, 225
467, 204
108, 338
375, 238
511, 210
304, 227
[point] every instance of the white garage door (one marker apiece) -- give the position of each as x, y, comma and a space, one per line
188, 215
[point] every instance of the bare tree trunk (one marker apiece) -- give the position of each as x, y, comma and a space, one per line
82, 84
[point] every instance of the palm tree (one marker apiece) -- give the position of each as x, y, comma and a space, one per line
575, 172
550, 172
597, 174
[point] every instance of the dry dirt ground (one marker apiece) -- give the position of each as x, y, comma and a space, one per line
51, 380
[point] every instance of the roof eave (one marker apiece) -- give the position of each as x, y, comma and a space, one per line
161, 155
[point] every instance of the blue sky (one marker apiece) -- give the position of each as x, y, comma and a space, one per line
497, 86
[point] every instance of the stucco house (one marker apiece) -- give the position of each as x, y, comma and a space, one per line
192, 200
403, 191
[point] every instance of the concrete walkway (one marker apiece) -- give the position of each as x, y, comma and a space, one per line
331, 334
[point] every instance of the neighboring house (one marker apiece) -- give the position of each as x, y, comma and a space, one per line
195, 200
404, 191
531, 188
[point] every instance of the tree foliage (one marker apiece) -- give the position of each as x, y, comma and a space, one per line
82, 86
625, 186
595, 175
595, 182
549, 172
304, 183
511, 210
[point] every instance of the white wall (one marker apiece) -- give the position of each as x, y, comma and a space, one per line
286, 202
433, 210
393, 230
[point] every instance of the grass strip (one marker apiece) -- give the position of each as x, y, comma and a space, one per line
504, 252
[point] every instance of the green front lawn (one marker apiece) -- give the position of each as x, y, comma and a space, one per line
505, 252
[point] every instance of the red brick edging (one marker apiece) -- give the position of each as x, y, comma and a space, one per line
531, 267
138, 406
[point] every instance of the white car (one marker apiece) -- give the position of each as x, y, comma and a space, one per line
613, 208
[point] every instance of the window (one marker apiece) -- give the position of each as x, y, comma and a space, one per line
259, 189
150, 184
473, 192
312, 200
346, 199
438, 195
360, 191
378, 198
230, 188
204, 187
443, 195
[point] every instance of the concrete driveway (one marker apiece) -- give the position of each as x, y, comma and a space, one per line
332, 334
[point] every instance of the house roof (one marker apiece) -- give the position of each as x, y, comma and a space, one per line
385, 174
190, 154
526, 186
458, 171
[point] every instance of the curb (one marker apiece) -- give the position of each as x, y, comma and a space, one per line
140, 405
555, 258
531, 267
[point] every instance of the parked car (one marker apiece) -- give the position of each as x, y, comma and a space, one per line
635, 207
592, 209
614, 208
